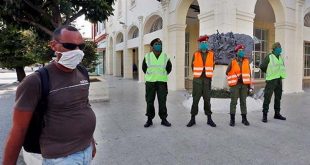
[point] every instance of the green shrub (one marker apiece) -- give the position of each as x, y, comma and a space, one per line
220, 93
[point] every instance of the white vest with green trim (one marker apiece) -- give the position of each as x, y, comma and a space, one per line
276, 68
156, 68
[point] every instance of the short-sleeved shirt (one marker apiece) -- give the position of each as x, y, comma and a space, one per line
69, 120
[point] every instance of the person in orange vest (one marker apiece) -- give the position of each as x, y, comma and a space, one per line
239, 80
202, 66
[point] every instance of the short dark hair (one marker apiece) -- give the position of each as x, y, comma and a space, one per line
58, 30
276, 45
154, 40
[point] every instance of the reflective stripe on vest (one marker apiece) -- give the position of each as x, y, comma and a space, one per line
235, 72
198, 64
276, 68
156, 68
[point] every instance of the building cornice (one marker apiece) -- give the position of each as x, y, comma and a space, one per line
245, 16
301, 2
206, 16
285, 25
176, 27
165, 4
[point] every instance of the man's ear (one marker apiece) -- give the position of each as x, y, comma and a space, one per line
52, 45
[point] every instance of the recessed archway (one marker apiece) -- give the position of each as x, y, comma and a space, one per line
191, 35
119, 38
154, 23
133, 32
264, 31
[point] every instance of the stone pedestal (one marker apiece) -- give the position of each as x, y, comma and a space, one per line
219, 77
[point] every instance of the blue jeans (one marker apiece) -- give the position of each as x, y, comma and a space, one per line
79, 158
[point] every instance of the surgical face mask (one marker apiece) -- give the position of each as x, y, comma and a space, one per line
157, 47
203, 46
71, 59
277, 51
241, 53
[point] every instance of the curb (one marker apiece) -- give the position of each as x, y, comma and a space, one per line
99, 100
6, 86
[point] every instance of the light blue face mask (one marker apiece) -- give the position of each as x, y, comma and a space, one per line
241, 53
157, 47
277, 51
203, 46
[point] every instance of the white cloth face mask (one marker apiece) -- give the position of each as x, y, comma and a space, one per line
71, 59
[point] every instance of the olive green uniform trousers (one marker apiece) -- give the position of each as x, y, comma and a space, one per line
273, 86
201, 87
151, 90
238, 91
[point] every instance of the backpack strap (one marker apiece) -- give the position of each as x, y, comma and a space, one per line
44, 76
83, 70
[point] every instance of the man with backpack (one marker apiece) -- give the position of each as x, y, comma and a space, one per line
68, 121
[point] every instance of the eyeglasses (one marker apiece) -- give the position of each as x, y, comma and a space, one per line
72, 46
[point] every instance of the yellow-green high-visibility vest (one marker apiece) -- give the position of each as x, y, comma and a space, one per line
156, 68
276, 68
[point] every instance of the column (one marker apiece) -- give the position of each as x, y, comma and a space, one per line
165, 7
127, 60
141, 49
176, 51
286, 34
114, 55
109, 56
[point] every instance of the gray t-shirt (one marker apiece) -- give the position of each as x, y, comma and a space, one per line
69, 121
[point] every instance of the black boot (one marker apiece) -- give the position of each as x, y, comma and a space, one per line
191, 122
232, 120
210, 121
279, 116
264, 117
148, 123
165, 122
244, 120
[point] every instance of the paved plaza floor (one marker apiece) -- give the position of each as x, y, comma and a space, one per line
122, 139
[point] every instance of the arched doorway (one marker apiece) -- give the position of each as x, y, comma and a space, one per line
152, 29
191, 45
264, 31
133, 44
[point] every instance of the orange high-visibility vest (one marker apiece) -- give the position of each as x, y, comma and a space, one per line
235, 72
198, 64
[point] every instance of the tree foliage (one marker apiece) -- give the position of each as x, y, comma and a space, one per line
20, 48
46, 15
16, 47
90, 60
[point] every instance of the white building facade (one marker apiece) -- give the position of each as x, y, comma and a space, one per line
178, 23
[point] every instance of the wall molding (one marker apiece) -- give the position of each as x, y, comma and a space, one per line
176, 27
245, 16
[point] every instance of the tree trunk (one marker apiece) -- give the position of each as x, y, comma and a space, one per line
20, 73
